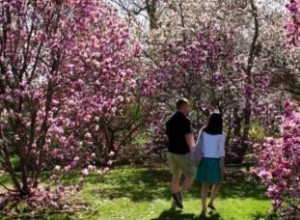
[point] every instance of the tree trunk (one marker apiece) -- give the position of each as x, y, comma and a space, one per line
251, 57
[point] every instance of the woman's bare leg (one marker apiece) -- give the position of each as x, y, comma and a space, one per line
204, 192
214, 192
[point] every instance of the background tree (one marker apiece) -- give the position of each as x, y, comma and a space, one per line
278, 158
66, 81
245, 29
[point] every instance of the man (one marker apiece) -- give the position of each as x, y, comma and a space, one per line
181, 141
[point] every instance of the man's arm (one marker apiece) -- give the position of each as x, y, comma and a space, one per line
190, 140
188, 133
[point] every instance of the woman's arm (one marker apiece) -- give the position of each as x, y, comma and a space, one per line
199, 139
222, 146
222, 154
222, 163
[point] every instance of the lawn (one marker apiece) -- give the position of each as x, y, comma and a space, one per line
142, 193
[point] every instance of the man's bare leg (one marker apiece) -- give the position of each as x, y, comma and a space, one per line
187, 183
175, 188
175, 183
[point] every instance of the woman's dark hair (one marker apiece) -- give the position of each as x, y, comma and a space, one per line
215, 124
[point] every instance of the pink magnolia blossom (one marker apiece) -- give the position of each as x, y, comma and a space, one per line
279, 159
292, 26
105, 170
85, 172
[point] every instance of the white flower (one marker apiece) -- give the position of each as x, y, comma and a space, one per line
85, 172
111, 154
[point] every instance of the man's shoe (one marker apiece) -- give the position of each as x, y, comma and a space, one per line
203, 214
177, 199
173, 206
211, 206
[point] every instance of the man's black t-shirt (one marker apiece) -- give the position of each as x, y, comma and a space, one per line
177, 127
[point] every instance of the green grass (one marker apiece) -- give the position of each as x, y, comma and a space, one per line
142, 193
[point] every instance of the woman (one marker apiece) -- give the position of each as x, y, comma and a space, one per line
211, 169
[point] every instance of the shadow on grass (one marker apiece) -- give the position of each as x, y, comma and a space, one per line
173, 215
147, 184
178, 215
56, 216
70, 178
259, 216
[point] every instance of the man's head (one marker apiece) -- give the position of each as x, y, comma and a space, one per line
183, 106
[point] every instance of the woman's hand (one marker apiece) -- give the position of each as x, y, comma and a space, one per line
222, 165
222, 172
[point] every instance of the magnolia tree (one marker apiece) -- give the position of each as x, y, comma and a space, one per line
103, 93
293, 25
200, 70
66, 75
222, 55
278, 165
206, 52
289, 63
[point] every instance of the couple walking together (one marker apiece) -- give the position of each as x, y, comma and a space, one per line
208, 168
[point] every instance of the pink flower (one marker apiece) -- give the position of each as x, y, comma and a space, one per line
85, 172
265, 175
76, 159
91, 167
53, 177
105, 170
67, 168
279, 161
60, 188
276, 204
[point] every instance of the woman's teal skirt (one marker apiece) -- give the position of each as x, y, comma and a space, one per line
209, 171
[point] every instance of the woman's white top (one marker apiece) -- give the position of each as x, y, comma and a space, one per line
213, 146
